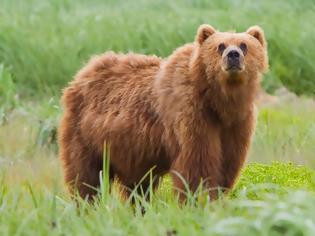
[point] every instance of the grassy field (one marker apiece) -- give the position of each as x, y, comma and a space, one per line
43, 43
254, 208
273, 198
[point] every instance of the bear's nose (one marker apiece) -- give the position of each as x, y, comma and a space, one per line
233, 54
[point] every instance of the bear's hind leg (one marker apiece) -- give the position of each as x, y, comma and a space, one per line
142, 189
81, 169
83, 176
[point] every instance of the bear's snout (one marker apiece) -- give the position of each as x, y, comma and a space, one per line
233, 59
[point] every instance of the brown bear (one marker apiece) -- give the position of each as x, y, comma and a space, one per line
191, 114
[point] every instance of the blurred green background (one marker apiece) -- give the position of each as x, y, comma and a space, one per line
43, 43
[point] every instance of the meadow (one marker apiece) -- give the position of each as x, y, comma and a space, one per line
43, 44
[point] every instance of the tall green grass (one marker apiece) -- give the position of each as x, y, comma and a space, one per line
252, 210
45, 42
286, 132
273, 199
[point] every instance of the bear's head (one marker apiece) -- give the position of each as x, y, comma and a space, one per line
232, 57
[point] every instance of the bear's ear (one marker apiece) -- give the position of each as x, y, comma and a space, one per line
204, 32
257, 33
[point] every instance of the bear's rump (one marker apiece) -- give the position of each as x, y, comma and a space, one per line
131, 163
133, 131
135, 145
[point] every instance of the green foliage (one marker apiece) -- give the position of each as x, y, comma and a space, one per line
25, 210
48, 117
269, 199
7, 88
286, 132
47, 133
278, 178
257, 179
46, 42
8, 93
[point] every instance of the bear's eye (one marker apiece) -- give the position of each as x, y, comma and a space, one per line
221, 48
243, 47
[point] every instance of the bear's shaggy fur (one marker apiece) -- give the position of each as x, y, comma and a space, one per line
192, 113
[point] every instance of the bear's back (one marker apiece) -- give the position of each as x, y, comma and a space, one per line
112, 99
112, 79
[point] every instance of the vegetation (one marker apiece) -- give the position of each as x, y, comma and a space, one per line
43, 44
255, 208
275, 198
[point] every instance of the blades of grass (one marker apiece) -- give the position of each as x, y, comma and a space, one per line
134, 192
3, 190
30, 189
53, 209
105, 175
187, 191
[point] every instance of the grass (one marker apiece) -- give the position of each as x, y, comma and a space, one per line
274, 198
279, 177
286, 131
251, 210
43, 43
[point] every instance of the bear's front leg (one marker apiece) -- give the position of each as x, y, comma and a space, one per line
236, 141
198, 162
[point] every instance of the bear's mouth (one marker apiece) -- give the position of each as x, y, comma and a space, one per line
234, 68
